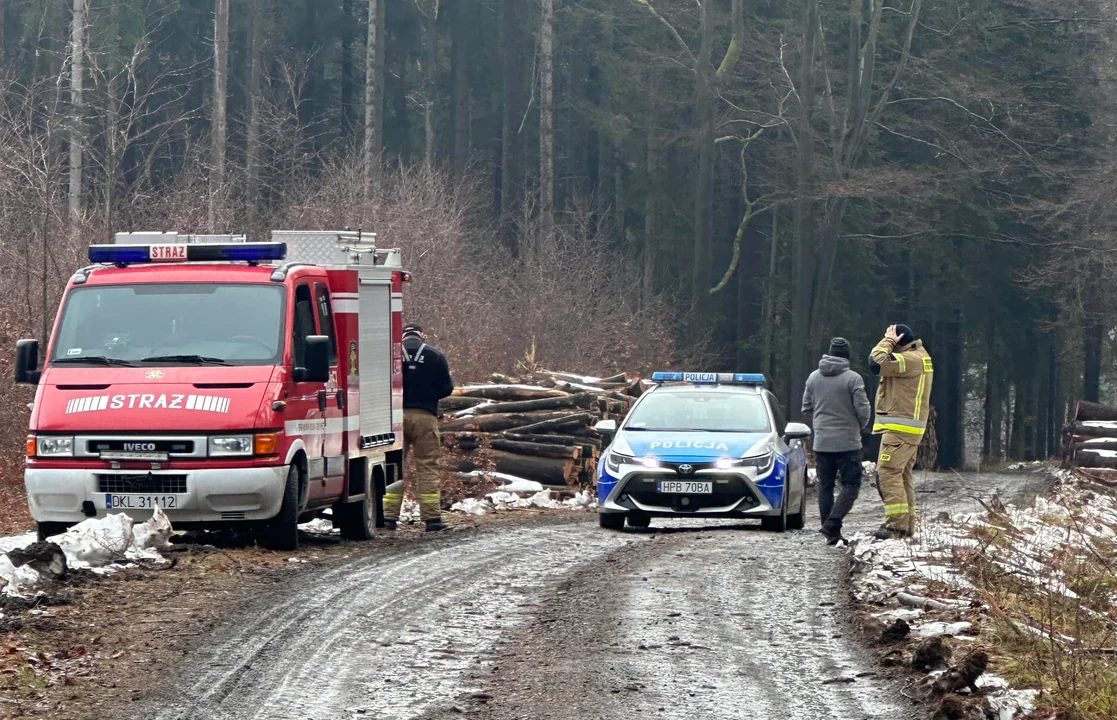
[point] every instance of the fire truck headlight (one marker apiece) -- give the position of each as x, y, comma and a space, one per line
52, 446
230, 445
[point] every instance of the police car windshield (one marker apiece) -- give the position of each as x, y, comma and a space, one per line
169, 324
700, 410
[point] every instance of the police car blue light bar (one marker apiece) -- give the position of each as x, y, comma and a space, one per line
709, 378
182, 252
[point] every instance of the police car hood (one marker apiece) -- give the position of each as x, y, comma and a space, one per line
140, 399
694, 446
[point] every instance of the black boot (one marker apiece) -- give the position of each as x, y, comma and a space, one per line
389, 524
832, 531
435, 525
888, 533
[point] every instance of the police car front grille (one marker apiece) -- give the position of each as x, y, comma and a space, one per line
728, 490
146, 483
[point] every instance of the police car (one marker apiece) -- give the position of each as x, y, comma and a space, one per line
703, 445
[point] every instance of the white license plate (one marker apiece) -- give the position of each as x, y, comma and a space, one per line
686, 487
140, 502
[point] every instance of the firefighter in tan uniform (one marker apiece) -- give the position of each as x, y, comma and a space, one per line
903, 406
426, 380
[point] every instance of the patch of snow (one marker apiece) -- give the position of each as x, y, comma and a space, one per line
17, 542
17, 581
932, 629
320, 526
1010, 704
1107, 424
470, 506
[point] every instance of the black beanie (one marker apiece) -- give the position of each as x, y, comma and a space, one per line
839, 347
906, 335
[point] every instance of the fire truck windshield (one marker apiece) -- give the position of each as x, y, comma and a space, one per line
172, 324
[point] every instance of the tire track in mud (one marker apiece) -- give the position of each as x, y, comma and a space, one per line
384, 636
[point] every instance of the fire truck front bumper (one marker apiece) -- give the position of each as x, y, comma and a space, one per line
189, 497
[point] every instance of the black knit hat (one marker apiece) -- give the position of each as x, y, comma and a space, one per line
412, 329
839, 347
906, 335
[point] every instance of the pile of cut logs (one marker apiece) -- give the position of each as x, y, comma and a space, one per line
537, 427
1090, 442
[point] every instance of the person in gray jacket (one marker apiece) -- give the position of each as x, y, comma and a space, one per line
839, 410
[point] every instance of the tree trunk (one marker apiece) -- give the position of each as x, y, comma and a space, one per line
511, 169
220, 102
1016, 441
651, 220
769, 321
1055, 418
990, 396
374, 95
3, 28
547, 120
557, 403
1093, 334
804, 217
252, 139
430, 80
1087, 411
347, 82
704, 180
77, 108
463, 26
549, 471
1042, 393
952, 396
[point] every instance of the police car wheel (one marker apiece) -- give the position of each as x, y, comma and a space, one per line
796, 521
611, 521
779, 522
282, 531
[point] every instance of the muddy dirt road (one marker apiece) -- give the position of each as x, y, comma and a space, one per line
564, 620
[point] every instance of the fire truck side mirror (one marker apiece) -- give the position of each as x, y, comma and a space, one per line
27, 362
317, 360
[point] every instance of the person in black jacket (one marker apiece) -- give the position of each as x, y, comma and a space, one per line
426, 380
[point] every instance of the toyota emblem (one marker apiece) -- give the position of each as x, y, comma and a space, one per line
686, 469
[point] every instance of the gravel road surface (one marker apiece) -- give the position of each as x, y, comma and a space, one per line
564, 620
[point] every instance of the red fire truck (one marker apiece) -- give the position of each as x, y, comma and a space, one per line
226, 381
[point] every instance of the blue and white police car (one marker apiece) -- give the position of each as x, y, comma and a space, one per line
704, 445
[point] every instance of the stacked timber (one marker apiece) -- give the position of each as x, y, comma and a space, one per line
1090, 442
537, 427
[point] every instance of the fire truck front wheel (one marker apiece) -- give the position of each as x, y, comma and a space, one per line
282, 531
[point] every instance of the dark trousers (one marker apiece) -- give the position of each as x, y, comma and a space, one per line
843, 467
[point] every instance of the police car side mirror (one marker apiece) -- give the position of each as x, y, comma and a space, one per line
317, 358
27, 362
606, 427
796, 431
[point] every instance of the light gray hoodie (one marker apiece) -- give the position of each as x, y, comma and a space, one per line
835, 400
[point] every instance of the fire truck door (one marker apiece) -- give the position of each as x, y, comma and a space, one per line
307, 420
333, 442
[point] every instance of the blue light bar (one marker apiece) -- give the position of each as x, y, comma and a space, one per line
182, 252
708, 378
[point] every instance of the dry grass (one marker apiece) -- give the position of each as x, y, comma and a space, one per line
1055, 613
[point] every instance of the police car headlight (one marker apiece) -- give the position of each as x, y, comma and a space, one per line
726, 463
613, 461
762, 463
53, 447
230, 445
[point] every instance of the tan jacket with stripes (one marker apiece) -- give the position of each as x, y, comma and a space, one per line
903, 399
